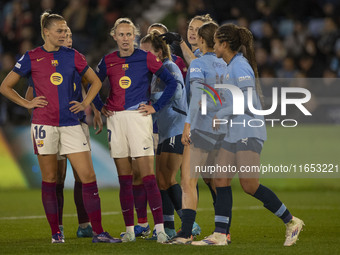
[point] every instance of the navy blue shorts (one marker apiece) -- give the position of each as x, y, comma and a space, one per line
245, 144
172, 145
205, 140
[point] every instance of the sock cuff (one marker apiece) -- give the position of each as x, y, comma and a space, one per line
125, 177
139, 186
48, 186
90, 186
149, 178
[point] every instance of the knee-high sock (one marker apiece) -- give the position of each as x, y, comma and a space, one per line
222, 210
230, 199
273, 203
213, 194
154, 198
141, 202
78, 200
175, 194
60, 199
92, 205
188, 219
50, 203
168, 210
126, 199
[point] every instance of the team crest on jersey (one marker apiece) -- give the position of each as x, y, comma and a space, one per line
125, 67
56, 78
54, 62
124, 82
40, 143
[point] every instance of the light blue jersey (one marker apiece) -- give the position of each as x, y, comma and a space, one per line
240, 74
172, 117
197, 54
205, 71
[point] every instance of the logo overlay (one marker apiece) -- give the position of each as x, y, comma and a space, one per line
56, 78
124, 82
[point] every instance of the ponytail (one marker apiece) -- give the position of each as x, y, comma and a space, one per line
46, 20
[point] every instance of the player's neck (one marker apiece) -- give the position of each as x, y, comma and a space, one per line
126, 53
50, 47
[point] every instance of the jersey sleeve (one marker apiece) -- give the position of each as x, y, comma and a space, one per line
101, 69
196, 71
243, 75
80, 63
153, 63
23, 66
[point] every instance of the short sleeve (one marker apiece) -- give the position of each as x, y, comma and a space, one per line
153, 63
244, 75
80, 63
101, 69
23, 66
196, 71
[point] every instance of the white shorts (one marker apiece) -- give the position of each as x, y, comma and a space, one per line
130, 134
63, 140
86, 130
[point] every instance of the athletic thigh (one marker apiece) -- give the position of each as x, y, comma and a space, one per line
82, 163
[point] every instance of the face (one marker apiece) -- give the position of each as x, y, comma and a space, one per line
192, 31
68, 39
124, 36
219, 48
56, 33
148, 47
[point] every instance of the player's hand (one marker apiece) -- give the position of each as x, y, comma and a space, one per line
171, 37
106, 112
146, 109
97, 122
38, 102
186, 135
76, 107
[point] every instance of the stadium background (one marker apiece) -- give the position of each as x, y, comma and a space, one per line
293, 39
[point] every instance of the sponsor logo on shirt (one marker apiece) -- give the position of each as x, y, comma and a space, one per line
124, 82
56, 78
125, 67
244, 78
195, 70
54, 62
39, 59
17, 65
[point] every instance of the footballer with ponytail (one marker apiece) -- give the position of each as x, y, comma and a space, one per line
242, 145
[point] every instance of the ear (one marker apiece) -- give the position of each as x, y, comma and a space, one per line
160, 54
46, 31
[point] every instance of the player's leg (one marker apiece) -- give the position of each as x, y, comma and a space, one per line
140, 200
61, 174
84, 228
249, 155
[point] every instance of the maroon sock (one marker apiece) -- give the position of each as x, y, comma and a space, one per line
126, 198
92, 205
78, 200
154, 198
50, 203
141, 202
60, 199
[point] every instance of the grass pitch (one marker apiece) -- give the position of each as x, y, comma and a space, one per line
254, 230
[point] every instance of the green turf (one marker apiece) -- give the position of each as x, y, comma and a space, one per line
254, 230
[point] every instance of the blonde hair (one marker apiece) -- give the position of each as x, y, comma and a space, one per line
157, 43
203, 18
124, 21
46, 20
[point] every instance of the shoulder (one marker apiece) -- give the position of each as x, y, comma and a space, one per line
241, 66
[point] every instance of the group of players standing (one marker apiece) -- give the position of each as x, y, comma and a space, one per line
148, 94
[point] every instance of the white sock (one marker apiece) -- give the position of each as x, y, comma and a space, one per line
84, 225
130, 229
159, 228
144, 225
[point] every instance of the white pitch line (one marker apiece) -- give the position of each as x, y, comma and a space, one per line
244, 208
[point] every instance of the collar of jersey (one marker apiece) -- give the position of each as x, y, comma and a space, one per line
42, 47
118, 54
236, 55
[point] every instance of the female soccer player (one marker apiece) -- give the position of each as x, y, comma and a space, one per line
84, 229
242, 145
129, 119
170, 122
55, 125
205, 72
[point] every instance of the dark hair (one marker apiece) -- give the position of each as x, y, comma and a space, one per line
207, 31
46, 20
160, 25
157, 43
236, 37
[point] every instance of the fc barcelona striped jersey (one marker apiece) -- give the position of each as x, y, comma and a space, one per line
130, 79
53, 75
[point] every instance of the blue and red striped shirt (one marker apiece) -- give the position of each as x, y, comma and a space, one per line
53, 76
